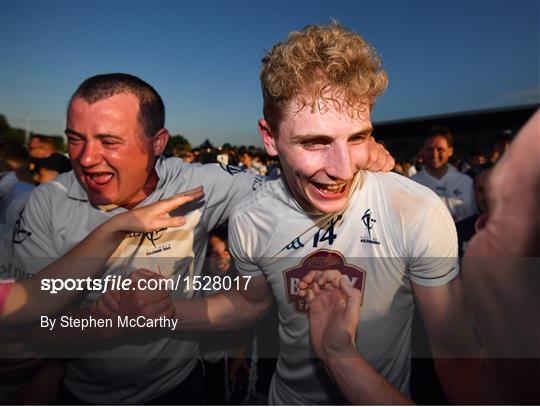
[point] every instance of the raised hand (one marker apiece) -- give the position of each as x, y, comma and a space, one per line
379, 158
155, 216
334, 315
318, 279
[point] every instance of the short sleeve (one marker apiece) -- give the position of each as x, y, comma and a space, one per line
242, 246
225, 187
432, 247
32, 237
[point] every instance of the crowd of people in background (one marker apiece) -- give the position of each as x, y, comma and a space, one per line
320, 233
233, 374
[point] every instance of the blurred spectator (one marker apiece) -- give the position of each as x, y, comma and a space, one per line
258, 165
246, 161
220, 262
477, 162
454, 187
478, 158
182, 153
216, 349
196, 155
466, 228
47, 169
15, 187
408, 168
398, 168
15, 181
498, 150
42, 146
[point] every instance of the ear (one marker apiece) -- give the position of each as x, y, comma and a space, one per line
159, 141
268, 138
451, 151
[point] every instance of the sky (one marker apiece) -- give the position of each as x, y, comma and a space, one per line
203, 57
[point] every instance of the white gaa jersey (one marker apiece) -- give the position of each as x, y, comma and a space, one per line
393, 231
454, 188
58, 215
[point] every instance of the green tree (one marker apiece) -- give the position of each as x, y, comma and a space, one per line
9, 133
178, 142
206, 144
4, 125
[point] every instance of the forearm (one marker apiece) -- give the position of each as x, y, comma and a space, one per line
87, 259
222, 311
360, 383
456, 350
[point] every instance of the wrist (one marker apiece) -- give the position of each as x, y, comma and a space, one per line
115, 227
332, 354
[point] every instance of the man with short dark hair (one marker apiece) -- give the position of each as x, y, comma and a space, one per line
452, 186
116, 135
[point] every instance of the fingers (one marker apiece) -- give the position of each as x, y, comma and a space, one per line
379, 159
309, 278
353, 298
170, 222
319, 276
316, 279
156, 216
348, 290
389, 163
175, 201
167, 205
329, 276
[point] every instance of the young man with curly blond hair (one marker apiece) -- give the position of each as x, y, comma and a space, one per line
393, 238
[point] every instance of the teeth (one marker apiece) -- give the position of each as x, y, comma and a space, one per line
332, 188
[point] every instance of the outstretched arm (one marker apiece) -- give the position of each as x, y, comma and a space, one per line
87, 259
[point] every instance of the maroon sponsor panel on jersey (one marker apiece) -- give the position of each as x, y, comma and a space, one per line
320, 260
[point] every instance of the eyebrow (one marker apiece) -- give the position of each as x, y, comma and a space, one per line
99, 136
70, 131
302, 138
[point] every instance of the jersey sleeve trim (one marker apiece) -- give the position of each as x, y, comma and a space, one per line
437, 280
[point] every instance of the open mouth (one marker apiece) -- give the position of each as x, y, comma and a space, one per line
331, 189
98, 179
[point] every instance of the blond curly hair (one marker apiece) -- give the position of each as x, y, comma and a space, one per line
321, 65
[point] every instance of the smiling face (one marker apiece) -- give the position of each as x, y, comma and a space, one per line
110, 154
321, 150
219, 256
437, 152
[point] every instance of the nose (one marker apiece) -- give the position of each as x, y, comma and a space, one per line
429, 153
90, 154
340, 163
